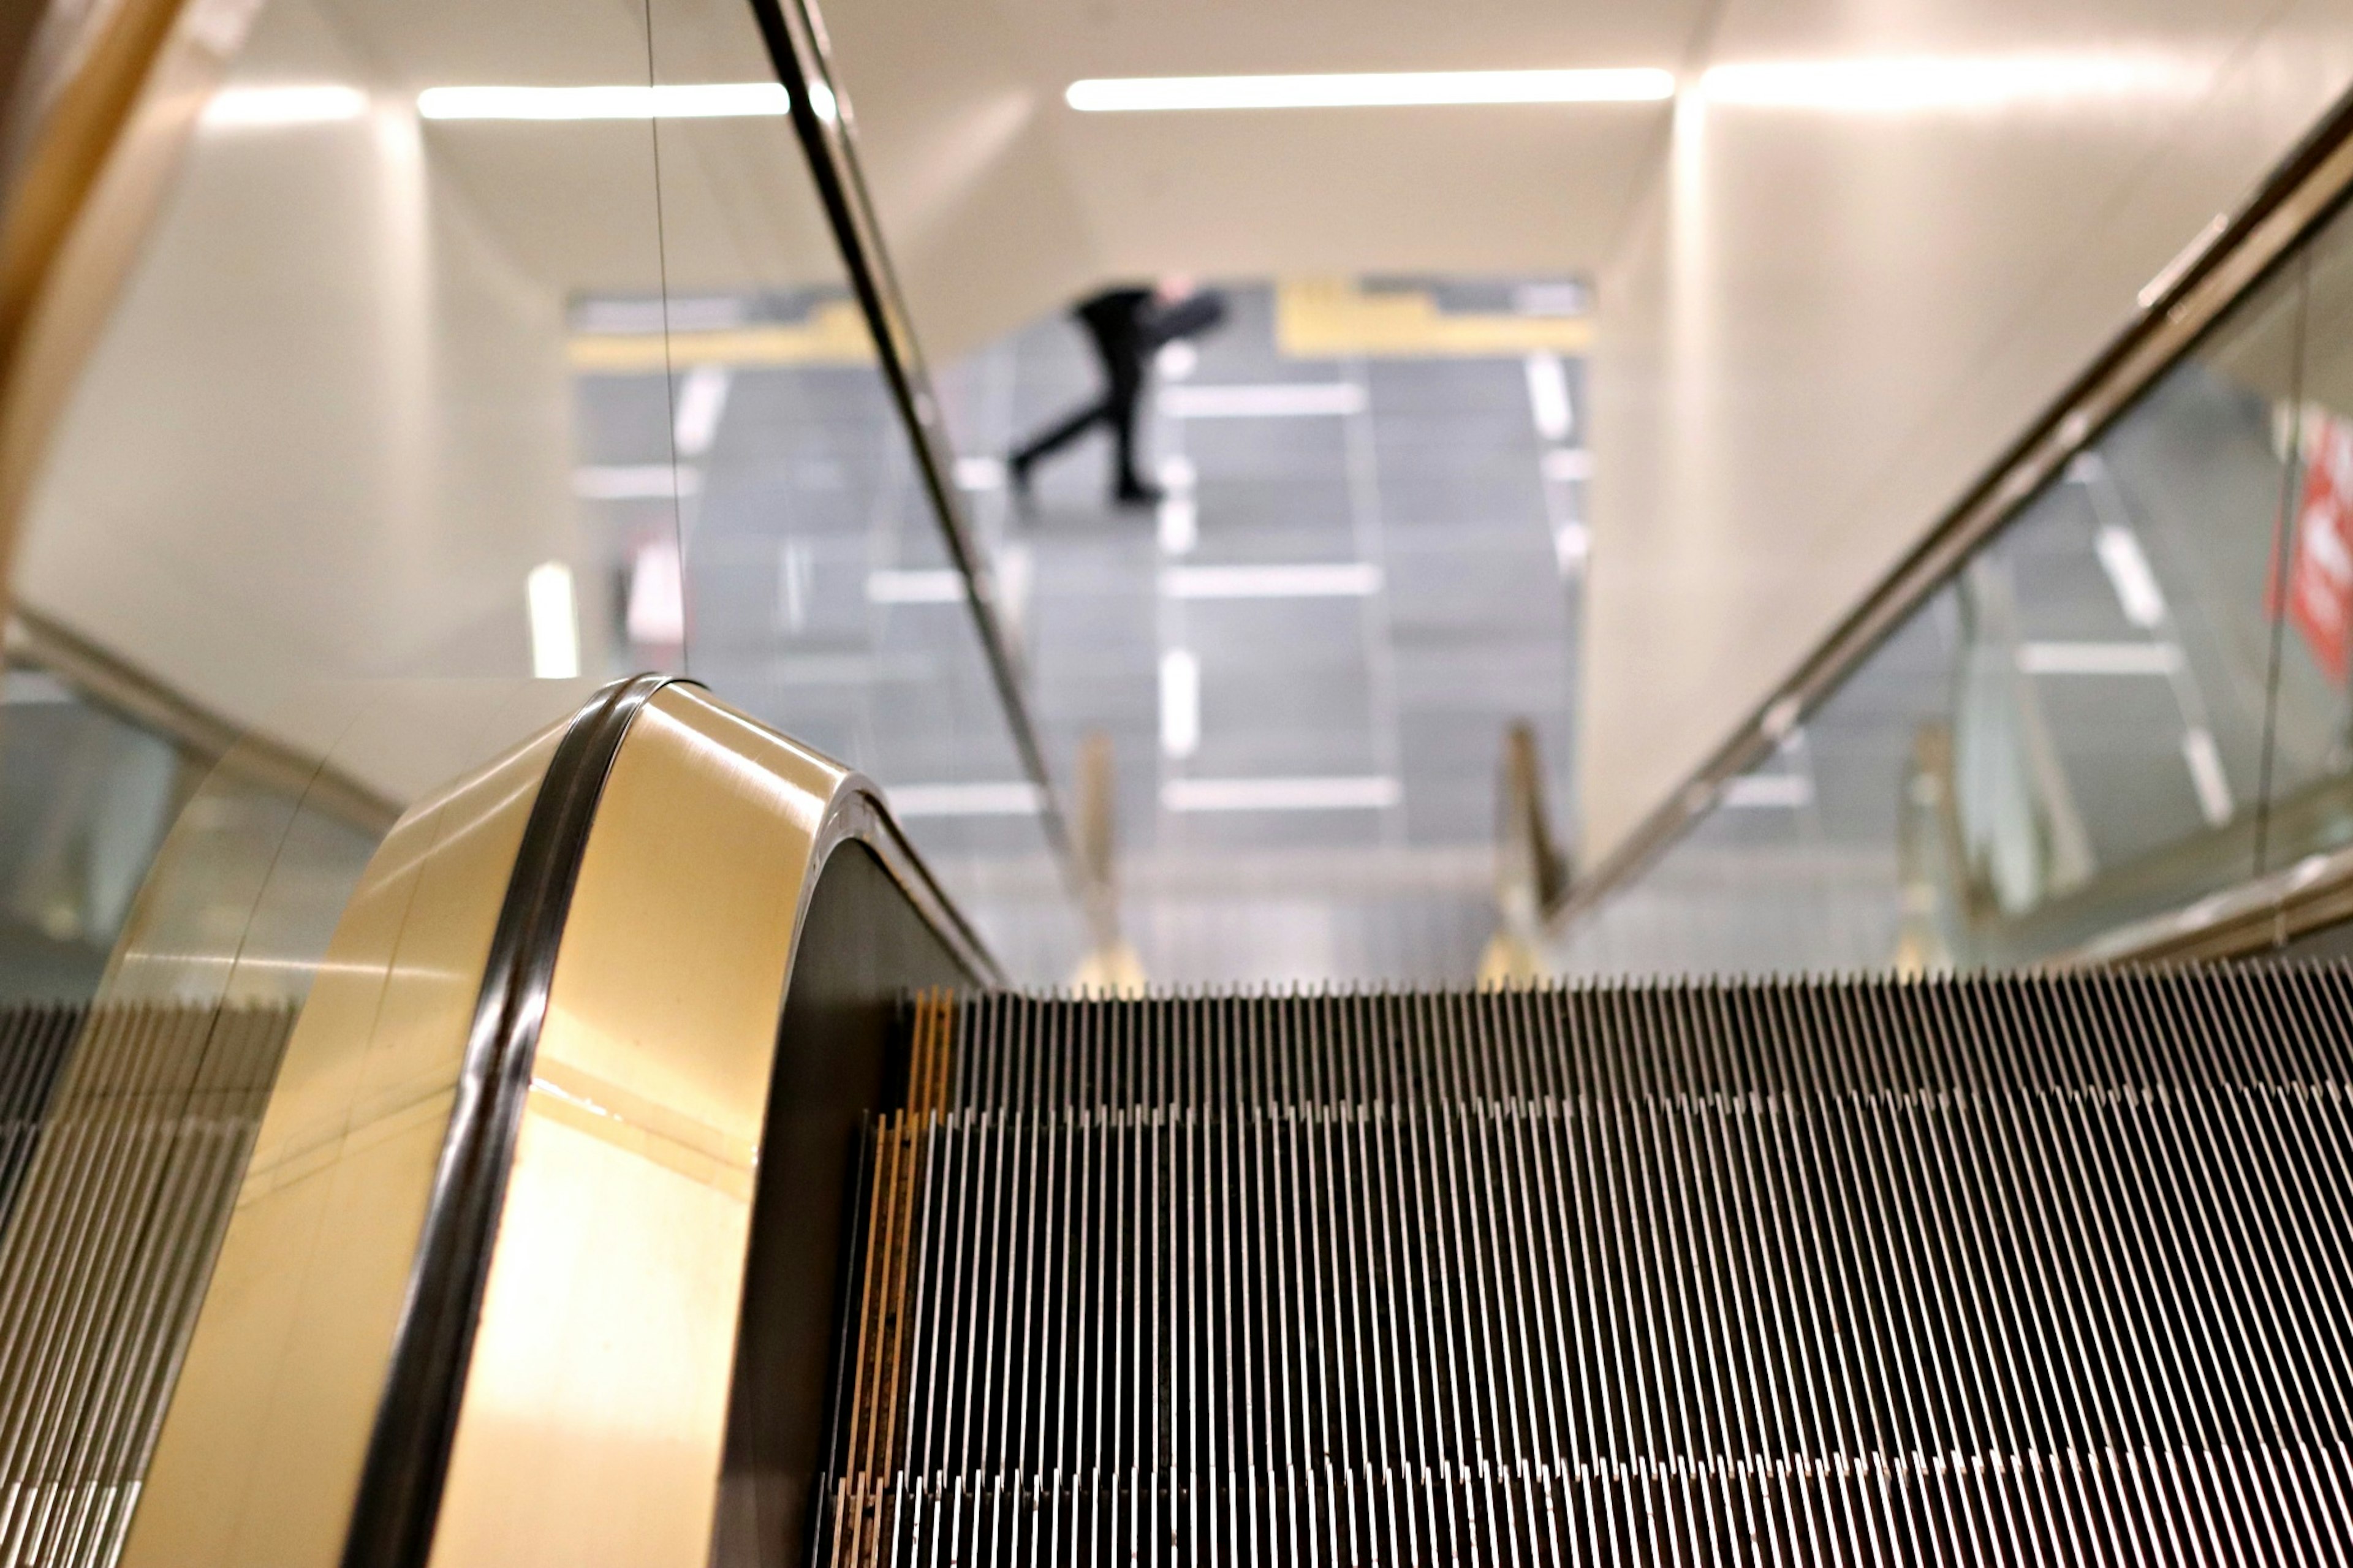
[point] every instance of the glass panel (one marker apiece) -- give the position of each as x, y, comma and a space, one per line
818, 593
85, 799
324, 442
2108, 728
2070, 736
1817, 857
423, 374
2311, 807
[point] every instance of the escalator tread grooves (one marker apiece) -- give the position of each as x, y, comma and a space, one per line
2021, 1268
124, 1131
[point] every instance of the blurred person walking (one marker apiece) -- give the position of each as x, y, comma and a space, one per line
1127, 327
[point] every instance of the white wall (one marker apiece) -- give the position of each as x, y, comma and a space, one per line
328, 431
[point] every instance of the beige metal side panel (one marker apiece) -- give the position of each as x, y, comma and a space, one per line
596, 1401
260, 1455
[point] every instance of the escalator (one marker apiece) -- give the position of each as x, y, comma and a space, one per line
2033, 1269
660, 1172
489, 1140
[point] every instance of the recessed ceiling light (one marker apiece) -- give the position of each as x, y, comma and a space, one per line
682, 100
1894, 84
1370, 89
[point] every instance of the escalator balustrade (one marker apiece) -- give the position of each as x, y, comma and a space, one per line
660, 1174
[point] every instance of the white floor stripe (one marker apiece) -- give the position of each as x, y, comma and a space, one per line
1786, 791
981, 473
2206, 776
1281, 795
1180, 703
934, 587
1566, 464
1277, 400
702, 404
1013, 797
1328, 580
2098, 658
656, 611
1570, 545
1180, 524
2127, 567
634, 481
1548, 396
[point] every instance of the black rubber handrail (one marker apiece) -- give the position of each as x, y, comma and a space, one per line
794, 34
409, 1451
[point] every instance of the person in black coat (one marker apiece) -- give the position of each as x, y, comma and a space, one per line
1127, 327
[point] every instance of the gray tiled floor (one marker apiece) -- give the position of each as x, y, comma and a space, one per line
1438, 484
807, 559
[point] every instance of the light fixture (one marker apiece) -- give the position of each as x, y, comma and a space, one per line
1895, 84
679, 100
320, 103
1371, 89
554, 621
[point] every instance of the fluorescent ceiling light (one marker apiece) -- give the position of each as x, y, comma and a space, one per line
1897, 83
1379, 89
683, 100
315, 104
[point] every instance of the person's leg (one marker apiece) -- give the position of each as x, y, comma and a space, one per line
1131, 488
1057, 436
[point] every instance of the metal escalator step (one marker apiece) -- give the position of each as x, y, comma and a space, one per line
123, 1134
2002, 1269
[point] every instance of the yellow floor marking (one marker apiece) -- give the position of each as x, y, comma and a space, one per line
833, 333
1335, 318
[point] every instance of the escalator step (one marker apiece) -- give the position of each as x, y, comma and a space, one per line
123, 1134
2017, 1269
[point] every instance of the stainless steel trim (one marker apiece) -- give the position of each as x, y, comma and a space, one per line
209, 738
2269, 912
2288, 205
522, 1118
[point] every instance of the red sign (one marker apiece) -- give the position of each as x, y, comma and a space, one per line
2320, 572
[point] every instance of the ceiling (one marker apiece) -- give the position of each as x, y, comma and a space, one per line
1001, 202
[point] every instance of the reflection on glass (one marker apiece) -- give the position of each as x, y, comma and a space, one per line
797, 567
85, 799
2134, 693
504, 344
2311, 805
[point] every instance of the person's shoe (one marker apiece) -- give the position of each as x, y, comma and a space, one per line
1135, 493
